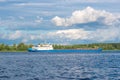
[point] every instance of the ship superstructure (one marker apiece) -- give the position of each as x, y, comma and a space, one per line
42, 47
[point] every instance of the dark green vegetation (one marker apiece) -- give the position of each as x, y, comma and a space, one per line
104, 46
24, 47
14, 47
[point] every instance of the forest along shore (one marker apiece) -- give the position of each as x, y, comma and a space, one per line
22, 47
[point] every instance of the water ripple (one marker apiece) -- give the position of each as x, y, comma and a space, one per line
59, 67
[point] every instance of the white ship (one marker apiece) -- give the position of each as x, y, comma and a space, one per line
41, 47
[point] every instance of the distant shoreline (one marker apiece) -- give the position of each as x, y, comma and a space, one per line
22, 47
103, 51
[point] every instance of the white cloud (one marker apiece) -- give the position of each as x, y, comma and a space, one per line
38, 20
2, 0
110, 34
34, 4
105, 35
36, 36
72, 34
15, 35
12, 35
59, 21
84, 16
13, 23
25, 40
21, 17
91, 1
100, 35
69, 35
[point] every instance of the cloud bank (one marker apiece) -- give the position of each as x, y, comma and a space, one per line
88, 25
72, 34
20, 23
110, 34
85, 16
2, 0
92, 1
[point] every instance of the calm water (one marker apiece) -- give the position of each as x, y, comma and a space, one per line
35, 66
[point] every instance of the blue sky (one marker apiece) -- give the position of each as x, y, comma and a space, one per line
59, 21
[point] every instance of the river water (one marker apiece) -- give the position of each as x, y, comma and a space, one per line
62, 66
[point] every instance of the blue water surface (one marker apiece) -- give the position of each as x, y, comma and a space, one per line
62, 66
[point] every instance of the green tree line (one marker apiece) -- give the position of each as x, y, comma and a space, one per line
24, 47
104, 46
15, 47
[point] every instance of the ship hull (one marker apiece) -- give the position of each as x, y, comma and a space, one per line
67, 50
